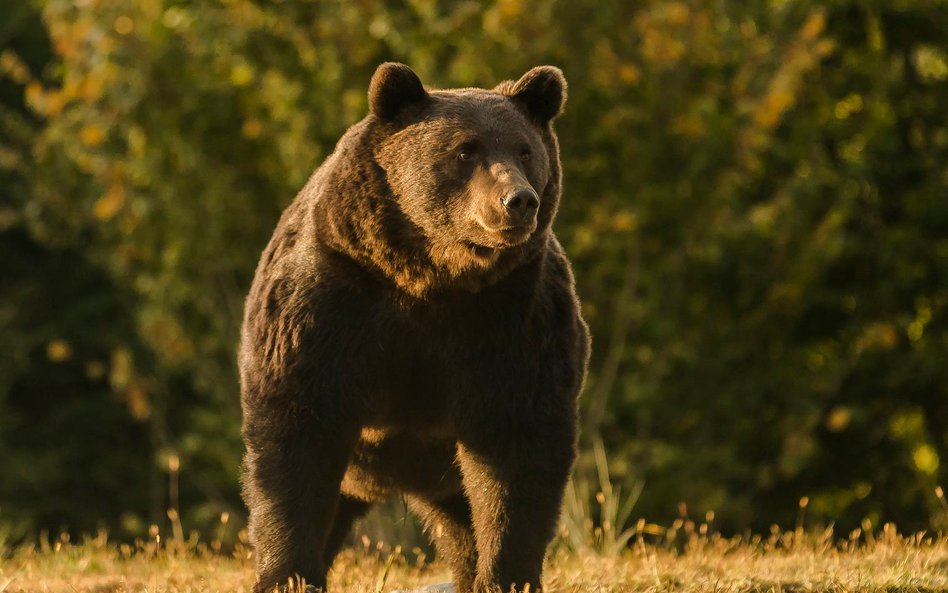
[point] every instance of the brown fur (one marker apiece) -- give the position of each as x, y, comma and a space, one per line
406, 333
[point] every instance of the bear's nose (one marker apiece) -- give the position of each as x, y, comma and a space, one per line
521, 203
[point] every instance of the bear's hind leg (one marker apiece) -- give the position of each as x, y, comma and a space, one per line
291, 479
448, 521
347, 512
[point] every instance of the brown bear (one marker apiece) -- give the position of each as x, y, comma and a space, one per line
413, 328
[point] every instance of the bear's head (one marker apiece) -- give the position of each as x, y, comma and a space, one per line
476, 171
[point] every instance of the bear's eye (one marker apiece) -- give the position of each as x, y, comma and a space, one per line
525, 154
466, 155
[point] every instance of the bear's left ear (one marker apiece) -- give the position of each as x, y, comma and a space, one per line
542, 90
394, 86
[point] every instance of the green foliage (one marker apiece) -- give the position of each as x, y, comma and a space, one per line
755, 204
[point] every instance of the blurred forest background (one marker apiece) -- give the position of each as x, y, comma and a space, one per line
756, 205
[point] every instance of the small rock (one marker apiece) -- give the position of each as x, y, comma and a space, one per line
439, 588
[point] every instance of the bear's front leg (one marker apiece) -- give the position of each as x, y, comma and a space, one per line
291, 478
515, 484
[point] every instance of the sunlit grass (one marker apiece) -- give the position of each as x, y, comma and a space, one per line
598, 549
685, 557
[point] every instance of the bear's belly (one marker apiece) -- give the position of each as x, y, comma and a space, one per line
386, 462
408, 441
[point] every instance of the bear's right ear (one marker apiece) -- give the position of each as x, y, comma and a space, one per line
394, 86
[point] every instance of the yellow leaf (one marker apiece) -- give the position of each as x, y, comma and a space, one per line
59, 350
241, 74
92, 135
814, 25
34, 96
677, 13
13, 66
926, 459
838, 419
137, 400
771, 109
846, 107
629, 74
690, 124
124, 25
252, 128
110, 203
121, 369
623, 221
54, 103
92, 87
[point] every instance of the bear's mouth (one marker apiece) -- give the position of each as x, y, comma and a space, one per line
505, 237
481, 251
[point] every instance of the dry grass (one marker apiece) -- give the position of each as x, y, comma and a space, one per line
676, 560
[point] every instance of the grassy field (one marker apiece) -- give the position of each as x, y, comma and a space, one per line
791, 562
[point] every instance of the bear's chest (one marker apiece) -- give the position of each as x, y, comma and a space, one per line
407, 386
419, 366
